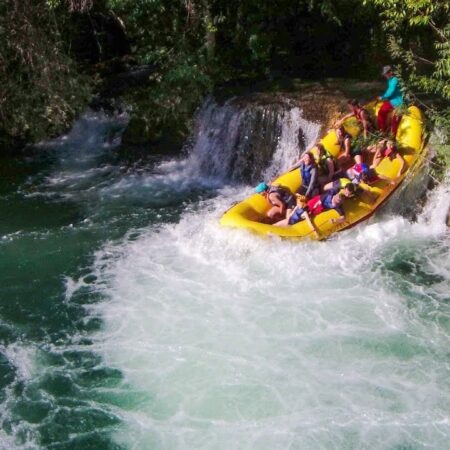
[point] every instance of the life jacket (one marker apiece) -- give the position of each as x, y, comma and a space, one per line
327, 199
323, 202
285, 195
390, 153
315, 206
306, 173
323, 163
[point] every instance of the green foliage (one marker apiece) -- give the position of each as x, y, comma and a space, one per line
419, 42
173, 97
195, 45
252, 35
40, 91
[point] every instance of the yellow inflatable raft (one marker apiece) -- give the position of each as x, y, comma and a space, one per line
250, 213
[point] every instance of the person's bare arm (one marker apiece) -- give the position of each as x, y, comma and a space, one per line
343, 119
296, 165
307, 217
376, 159
340, 219
328, 186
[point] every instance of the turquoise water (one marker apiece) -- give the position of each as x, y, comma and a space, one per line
130, 319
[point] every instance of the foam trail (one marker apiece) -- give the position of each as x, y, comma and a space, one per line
247, 343
437, 207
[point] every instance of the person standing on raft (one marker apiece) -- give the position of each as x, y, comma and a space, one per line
392, 98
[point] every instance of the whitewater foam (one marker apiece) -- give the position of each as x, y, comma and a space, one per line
248, 343
226, 340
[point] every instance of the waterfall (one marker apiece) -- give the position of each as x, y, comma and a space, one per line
245, 141
297, 135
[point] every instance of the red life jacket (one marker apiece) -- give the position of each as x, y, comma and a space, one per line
389, 153
315, 206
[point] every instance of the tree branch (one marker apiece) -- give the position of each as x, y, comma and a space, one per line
424, 60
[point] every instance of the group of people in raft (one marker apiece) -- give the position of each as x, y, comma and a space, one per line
324, 185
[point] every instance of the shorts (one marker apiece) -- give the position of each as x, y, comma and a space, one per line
296, 216
355, 151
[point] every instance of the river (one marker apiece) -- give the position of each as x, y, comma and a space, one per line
130, 319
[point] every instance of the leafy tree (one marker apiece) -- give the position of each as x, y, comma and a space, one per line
419, 41
40, 90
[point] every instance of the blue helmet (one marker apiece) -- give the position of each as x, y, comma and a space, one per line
262, 187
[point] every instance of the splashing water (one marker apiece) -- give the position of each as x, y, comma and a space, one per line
247, 142
290, 146
160, 329
240, 343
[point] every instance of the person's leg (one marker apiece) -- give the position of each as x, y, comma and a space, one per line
275, 214
395, 123
308, 219
382, 116
282, 223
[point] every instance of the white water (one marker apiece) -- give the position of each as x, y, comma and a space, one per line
287, 152
230, 341
235, 342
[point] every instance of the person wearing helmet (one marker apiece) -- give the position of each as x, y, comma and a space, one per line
279, 197
392, 98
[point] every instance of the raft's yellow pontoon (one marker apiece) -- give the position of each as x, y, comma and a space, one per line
250, 212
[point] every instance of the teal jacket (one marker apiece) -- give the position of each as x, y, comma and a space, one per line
393, 92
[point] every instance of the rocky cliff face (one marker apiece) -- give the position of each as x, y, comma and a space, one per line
319, 104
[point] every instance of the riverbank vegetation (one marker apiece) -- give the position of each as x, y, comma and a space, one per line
57, 53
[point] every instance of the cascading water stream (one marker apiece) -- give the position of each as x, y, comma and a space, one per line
149, 326
245, 143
